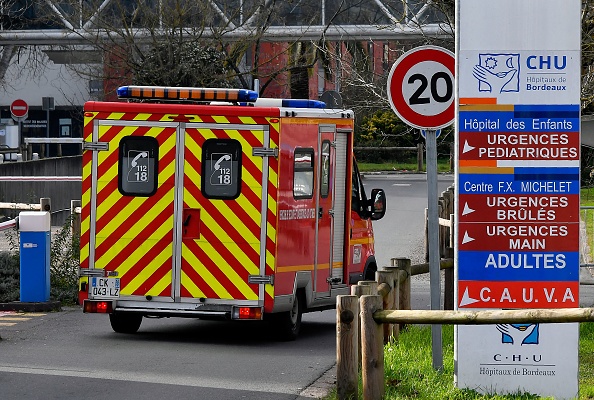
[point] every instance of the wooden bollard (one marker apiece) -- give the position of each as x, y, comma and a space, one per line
371, 284
386, 285
372, 349
360, 290
448, 284
347, 339
395, 299
404, 266
45, 204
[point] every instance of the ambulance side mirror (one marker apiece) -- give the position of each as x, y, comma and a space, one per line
377, 204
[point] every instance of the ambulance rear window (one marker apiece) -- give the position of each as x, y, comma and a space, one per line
221, 169
303, 174
138, 166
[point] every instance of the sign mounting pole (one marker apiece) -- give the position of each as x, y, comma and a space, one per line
421, 93
433, 239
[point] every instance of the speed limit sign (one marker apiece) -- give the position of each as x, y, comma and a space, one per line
421, 87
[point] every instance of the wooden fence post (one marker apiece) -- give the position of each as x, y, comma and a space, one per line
395, 298
347, 337
372, 285
448, 284
387, 277
419, 157
45, 203
404, 266
360, 290
372, 349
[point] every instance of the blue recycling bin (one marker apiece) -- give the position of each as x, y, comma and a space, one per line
35, 231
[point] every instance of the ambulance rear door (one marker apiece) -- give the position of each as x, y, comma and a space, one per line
226, 238
128, 188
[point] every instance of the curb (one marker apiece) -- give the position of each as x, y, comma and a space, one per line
322, 386
31, 307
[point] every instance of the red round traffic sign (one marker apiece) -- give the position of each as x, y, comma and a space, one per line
19, 108
421, 87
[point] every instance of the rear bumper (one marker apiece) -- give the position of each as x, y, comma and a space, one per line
186, 310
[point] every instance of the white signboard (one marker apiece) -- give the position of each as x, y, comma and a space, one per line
517, 186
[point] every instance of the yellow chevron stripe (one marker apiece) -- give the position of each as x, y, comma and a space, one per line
191, 286
247, 120
149, 270
220, 119
115, 115
228, 271
142, 117
144, 248
199, 267
134, 229
223, 236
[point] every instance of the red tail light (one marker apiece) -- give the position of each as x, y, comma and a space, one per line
247, 313
94, 306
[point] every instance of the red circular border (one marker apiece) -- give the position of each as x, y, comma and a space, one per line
20, 113
396, 77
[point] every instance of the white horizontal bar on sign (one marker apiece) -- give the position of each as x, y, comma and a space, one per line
20, 206
41, 178
538, 163
54, 140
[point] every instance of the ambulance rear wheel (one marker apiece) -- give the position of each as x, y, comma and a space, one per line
288, 323
125, 322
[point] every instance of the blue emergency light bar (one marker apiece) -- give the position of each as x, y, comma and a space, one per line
186, 93
289, 103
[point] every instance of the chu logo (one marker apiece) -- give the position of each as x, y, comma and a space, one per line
498, 73
518, 334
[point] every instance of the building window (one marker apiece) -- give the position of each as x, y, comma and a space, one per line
303, 174
221, 169
138, 166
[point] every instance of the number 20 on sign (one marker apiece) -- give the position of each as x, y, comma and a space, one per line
421, 87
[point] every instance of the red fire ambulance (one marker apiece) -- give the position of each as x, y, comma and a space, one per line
213, 203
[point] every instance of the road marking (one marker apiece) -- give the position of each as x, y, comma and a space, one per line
14, 319
11, 318
130, 376
401, 184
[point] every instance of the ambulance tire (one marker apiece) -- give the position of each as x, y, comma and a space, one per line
125, 322
288, 323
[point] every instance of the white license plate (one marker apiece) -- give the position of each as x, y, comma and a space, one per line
104, 287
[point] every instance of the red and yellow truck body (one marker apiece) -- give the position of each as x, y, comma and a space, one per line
231, 211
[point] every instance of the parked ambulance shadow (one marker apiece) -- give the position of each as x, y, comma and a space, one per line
226, 332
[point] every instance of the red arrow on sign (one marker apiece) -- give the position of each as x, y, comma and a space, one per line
19, 108
421, 87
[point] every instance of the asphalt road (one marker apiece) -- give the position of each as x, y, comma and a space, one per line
71, 355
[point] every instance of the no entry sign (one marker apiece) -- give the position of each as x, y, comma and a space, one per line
421, 87
19, 109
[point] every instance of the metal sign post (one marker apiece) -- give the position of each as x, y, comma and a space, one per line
421, 93
433, 239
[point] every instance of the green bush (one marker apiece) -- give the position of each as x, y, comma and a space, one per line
9, 277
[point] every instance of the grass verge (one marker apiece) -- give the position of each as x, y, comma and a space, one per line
409, 373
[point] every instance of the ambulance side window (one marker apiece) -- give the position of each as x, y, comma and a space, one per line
358, 193
303, 174
221, 169
138, 166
